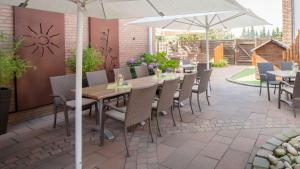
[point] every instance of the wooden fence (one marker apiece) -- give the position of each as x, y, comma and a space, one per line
293, 53
219, 53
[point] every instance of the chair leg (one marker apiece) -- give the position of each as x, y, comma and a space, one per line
96, 110
294, 110
55, 116
207, 98
150, 130
174, 123
126, 141
260, 86
180, 113
279, 97
157, 122
90, 112
67, 121
209, 85
102, 115
268, 88
191, 103
198, 102
275, 89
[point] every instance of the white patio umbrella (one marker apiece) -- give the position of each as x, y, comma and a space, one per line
205, 21
113, 9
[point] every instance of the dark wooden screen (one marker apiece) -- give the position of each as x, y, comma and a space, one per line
44, 48
104, 36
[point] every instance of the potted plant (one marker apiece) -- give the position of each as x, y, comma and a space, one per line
91, 61
11, 66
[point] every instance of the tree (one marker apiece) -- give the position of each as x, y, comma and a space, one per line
252, 32
263, 33
268, 34
244, 33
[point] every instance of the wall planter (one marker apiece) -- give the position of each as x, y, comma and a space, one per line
5, 95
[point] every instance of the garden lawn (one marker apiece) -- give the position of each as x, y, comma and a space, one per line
246, 77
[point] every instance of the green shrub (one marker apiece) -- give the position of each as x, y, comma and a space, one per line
11, 65
91, 60
221, 63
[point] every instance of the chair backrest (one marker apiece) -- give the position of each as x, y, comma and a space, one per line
263, 68
139, 105
296, 92
141, 71
96, 78
166, 95
204, 79
286, 66
62, 85
186, 86
186, 61
200, 68
125, 71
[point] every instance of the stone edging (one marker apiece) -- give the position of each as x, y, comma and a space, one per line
280, 151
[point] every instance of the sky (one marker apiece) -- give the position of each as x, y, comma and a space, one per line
270, 10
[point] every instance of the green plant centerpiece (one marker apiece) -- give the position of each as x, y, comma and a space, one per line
92, 59
11, 66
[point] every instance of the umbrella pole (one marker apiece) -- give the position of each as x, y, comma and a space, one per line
207, 50
78, 110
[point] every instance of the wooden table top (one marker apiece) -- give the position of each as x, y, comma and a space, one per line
101, 91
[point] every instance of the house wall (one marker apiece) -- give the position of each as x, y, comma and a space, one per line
133, 40
271, 53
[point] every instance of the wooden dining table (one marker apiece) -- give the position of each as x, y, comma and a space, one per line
105, 91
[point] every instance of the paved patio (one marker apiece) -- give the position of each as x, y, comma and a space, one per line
225, 135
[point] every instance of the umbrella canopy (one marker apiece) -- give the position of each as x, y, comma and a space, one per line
205, 21
216, 20
111, 9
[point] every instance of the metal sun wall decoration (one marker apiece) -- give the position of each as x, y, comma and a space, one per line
41, 40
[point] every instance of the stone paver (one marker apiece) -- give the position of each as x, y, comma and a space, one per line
225, 135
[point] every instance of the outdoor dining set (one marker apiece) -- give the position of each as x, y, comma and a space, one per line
287, 79
131, 101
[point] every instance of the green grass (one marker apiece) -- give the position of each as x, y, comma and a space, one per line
246, 76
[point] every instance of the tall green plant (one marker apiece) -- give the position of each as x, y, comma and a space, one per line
91, 60
11, 65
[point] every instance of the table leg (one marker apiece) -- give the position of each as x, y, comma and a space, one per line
100, 118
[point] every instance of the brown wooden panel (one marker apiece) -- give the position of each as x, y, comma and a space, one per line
104, 35
44, 48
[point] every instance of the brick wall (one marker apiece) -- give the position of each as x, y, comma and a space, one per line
287, 21
70, 33
133, 41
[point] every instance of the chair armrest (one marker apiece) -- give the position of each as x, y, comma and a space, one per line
114, 108
59, 96
178, 90
286, 83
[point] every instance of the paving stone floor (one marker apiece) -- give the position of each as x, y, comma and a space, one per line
225, 135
